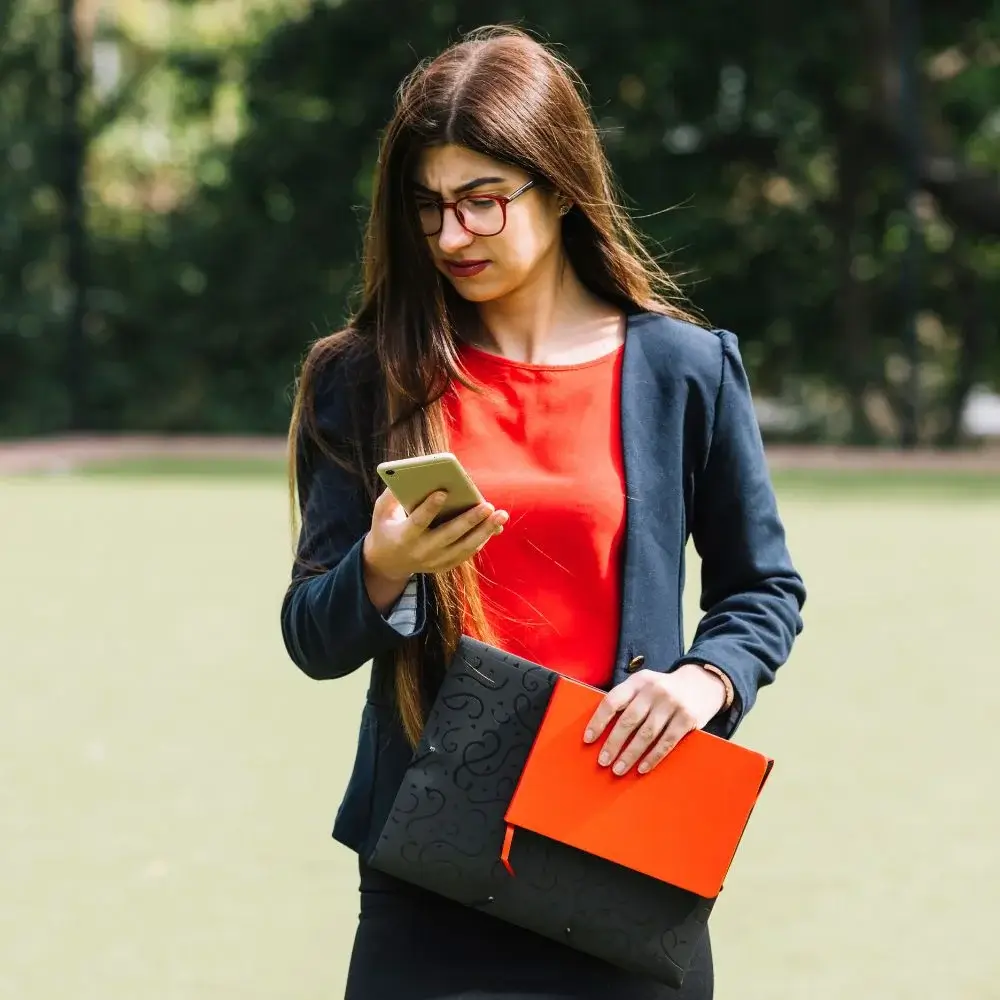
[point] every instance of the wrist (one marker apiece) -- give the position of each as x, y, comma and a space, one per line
712, 683
384, 587
375, 565
729, 693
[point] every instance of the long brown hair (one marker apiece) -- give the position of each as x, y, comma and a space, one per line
501, 93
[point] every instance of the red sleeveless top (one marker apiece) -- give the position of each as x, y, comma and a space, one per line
544, 443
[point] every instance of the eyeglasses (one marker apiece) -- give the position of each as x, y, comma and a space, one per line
478, 214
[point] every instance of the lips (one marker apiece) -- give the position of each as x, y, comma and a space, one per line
466, 268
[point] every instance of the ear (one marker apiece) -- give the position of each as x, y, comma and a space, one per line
563, 203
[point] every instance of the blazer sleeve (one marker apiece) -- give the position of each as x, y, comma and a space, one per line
751, 594
328, 623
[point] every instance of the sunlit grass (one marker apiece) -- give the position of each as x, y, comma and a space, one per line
168, 779
898, 484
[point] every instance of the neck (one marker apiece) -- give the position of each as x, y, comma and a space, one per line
550, 316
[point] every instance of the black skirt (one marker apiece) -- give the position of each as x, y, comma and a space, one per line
414, 945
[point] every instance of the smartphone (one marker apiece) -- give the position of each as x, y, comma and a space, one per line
413, 480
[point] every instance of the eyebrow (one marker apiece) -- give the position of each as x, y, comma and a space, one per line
466, 187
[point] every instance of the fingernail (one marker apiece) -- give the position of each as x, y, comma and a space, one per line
619, 767
604, 759
643, 768
589, 736
440, 497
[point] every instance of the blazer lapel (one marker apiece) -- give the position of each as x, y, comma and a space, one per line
654, 504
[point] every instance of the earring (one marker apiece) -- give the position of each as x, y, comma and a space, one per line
563, 209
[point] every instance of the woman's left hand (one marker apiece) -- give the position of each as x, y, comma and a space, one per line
660, 709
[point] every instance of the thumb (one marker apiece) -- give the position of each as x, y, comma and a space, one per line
387, 506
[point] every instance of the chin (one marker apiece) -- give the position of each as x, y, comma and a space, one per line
478, 294
471, 292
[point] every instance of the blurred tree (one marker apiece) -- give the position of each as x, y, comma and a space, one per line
760, 144
71, 160
33, 294
46, 127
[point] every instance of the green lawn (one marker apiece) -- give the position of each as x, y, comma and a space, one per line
973, 484
168, 778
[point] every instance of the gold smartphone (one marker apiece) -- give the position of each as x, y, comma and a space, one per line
413, 480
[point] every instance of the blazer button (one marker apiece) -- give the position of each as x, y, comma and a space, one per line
635, 663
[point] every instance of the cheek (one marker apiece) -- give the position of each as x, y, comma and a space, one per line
524, 247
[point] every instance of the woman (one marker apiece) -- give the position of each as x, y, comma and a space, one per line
511, 315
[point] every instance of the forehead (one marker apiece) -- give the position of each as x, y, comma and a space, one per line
445, 168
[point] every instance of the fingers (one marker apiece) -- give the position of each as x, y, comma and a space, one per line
634, 720
649, 722
427, 549
681, 723
615, 701
421, 517
458, 527
646, 735
474, 541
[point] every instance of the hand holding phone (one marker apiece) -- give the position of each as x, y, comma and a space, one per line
413, 480
431, 537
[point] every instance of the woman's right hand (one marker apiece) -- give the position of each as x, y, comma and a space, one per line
399, 545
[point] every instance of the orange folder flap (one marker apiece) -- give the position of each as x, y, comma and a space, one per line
680, 823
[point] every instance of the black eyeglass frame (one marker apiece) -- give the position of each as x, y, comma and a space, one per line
500, 199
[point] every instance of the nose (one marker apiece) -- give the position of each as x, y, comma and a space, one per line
452, 236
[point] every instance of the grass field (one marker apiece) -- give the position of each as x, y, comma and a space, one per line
168, 778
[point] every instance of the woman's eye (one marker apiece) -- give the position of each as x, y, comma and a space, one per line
480, 202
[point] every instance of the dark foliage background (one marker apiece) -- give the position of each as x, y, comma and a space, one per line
227, 163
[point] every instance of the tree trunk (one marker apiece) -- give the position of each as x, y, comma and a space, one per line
74, 232
853, 307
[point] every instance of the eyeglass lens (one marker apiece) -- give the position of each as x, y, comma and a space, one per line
482, 216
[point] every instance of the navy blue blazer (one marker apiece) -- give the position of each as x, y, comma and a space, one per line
694, 468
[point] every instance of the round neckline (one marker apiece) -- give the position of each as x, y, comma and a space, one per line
505, 362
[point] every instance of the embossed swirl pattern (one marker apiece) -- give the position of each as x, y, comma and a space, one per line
446, 829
